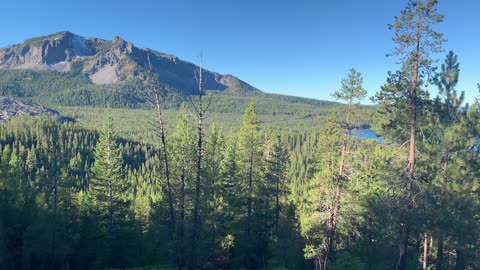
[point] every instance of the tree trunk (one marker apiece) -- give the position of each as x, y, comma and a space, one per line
460, 262
249, 208
402, 262
196, 204
370, 247
317, 264
171, 209
110, 207
413, 108
445, 163
54, 225
181, 229
425, 252
277, 205
161, 126
439, 264
330, 250
403, 246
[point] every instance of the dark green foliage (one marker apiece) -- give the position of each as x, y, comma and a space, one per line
45, 171
49, 219
55, 186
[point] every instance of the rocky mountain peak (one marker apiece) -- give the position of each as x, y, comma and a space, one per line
53, 52
107, 62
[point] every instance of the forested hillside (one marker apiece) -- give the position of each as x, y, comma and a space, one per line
220, 175
265, 196
56, 198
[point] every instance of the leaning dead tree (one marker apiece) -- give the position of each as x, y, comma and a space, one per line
154, 96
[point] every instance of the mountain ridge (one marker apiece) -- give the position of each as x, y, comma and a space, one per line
65, 69
112, 61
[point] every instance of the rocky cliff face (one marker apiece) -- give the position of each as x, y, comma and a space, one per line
54, 52
11, 107
111, 61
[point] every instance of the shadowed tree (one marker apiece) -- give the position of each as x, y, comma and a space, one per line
250, 154
447, 105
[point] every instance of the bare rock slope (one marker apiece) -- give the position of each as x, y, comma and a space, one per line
12, 107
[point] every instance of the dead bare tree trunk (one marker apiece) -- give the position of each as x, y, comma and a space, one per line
200, 111
161, 127
159, 124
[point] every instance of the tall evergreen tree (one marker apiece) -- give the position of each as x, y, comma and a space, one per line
183, 157
447, 106
416, 41
448, 103
459, 197
277, 161
319, 197
350, 92
250, 155
108, 185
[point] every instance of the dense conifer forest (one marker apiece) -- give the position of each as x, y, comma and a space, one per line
193, 184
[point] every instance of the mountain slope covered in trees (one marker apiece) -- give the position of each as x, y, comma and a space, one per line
235, 178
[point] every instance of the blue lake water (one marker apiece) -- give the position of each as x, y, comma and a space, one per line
366, 134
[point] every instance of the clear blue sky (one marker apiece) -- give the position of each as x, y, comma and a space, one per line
302, 47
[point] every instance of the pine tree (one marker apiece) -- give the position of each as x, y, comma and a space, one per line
183, 157
447, 106
277, 161
350, 92
250, 166
108, 185
416, 40
456, 200
319, 196
213, 199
